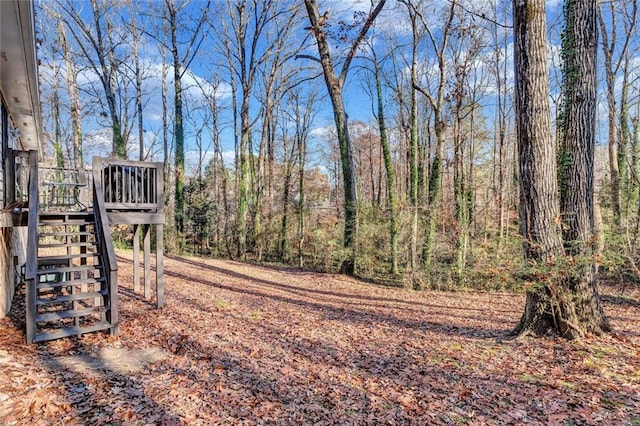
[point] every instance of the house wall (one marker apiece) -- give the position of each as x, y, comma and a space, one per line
12, 240
4, 140
7, 282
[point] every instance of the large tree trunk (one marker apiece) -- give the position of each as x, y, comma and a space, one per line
578, 146
539, 205
564, 301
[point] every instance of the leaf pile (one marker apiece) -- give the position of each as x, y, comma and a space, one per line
247, 344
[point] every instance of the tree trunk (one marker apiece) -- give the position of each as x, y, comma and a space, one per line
567, 301
138, 74
414, 178
243, 170
608, 48
302, 157
335, 85
539, 204
107, 77
439, 127
577, 208
178, 127
624, 139
389, 170
74, 101
57, 140
289, 161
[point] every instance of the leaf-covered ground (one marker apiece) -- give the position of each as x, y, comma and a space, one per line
244, 344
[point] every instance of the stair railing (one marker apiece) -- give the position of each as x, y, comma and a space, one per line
31, 272
105, 242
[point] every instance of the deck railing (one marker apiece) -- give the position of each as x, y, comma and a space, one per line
65, 188
129, 185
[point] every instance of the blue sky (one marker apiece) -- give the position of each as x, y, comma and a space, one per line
210, 63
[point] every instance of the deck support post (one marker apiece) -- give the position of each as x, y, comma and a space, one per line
159, 266
136, 257
30, 309
147, 261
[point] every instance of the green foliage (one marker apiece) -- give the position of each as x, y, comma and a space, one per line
200, 214
373, 255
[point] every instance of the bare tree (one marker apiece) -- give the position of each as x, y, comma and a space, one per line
181, 62
74, 98
437, 104
613, 62
388, 165
335, 86
98, 48
251, 35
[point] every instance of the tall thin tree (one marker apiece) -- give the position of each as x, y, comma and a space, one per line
335, 85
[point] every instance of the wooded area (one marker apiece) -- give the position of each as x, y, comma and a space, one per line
446, 136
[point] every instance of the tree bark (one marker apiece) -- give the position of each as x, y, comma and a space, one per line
578, 146
539, 204
390, 173
74, 100
565, 298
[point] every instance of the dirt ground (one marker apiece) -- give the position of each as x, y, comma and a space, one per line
245, 344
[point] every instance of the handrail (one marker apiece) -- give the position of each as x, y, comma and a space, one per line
105, 241
32, 224
102, 220
31, 273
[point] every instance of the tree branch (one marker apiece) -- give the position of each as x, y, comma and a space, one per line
304, 56
363, 33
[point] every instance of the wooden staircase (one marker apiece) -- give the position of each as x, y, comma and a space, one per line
71, 294
71, 270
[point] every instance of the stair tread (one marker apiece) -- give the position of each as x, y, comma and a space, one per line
72, 313
70, 213
78, 244
61, 233
73, 268
57, 215
69, 222
70, 331
53, 284
71, 297
67, 256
